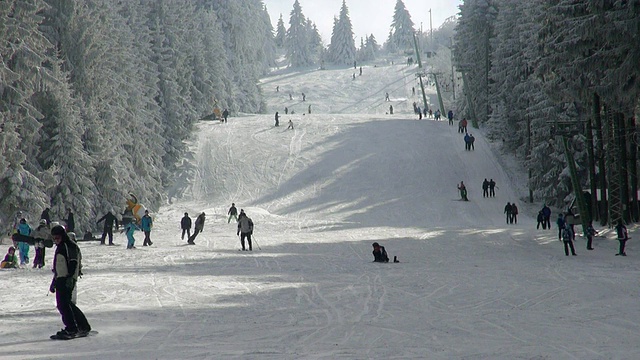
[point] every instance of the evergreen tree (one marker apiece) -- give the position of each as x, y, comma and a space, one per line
342, 49
281, 33
401, 33
297, 43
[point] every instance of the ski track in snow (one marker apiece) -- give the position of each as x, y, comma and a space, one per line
468, 286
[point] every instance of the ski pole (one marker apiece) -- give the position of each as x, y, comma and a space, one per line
256, 241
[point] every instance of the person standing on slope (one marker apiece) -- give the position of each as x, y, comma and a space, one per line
199, 226
485, 188
560, 223
507, 210
567, 239
146, 223
450, 117
277, 119
492, 186
591, 232
225, 114
24, 229
623, 236
514, 213
463, 191
40, 234
185, 225
245, 229
546, 212
45, 215
66, 268
71, 222
233, 213
130, 228
109, 219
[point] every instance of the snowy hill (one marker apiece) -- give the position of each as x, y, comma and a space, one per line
468, 286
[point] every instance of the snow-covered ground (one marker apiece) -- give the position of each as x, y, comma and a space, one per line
468, 286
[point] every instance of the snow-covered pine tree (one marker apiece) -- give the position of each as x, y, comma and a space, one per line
401, 32
342, 49
316, 48
281, 33
371, 48
297, 43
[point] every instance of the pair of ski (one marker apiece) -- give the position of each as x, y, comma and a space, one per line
66, 337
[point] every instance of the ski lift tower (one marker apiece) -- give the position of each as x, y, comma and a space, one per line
420, 73
565, 129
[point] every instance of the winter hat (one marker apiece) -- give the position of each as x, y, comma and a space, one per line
43, 221
60, 231
72, 235
376, 244
186, 214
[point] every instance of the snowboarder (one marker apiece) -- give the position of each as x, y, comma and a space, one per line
66, 268
45, 215
379, 253
507, 210
146, 223
277, 119
71, 223
40, 234
463, 191
233, 213
623, 236
245, 229
10, 260
290, 125
185, 225
386, 97
485, 188
567, 239
546, 212
108, 219
129, 229
591, 232
23, 247
492, 186
199, 226
225, 114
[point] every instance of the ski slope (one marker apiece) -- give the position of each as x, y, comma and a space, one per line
468, 286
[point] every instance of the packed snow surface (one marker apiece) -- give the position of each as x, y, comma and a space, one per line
468, 286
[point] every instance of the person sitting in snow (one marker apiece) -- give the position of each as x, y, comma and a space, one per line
379, 253
10, 260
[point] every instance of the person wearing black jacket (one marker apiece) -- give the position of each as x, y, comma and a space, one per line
71, 223
45, 215
108, 219
379, 253
199, 226
66, 269
185, 225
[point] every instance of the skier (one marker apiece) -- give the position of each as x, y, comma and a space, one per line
185, 225
514, 213
546, 212
507, 210
286, 110
419, 113
309, 110
360, 70
413, 91
560, 223
23, 247
71, 223
290, 96
130, 228
304, 97
108, 219
386, 97
485, 188
277, 119
492, 186
66, 269
591, 232
290, 125
199, 226
10, 260
278, 88
623, 236
45, 215
225, 114
463, 191
567, 239
40, 234
245, 229
233, 213
540, 220
379, 253
146, 223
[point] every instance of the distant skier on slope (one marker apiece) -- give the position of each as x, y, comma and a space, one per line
245, 229
199, 226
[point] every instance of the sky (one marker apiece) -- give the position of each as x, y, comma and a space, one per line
367, 16
467, 286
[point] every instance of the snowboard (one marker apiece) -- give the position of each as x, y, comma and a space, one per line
56, 337
31, 240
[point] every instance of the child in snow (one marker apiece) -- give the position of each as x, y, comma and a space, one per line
130, 228
379, 253
23, 247
41, 234
10, 260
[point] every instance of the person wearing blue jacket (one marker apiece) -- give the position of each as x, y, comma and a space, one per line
130, 228
146, 223
24, 229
